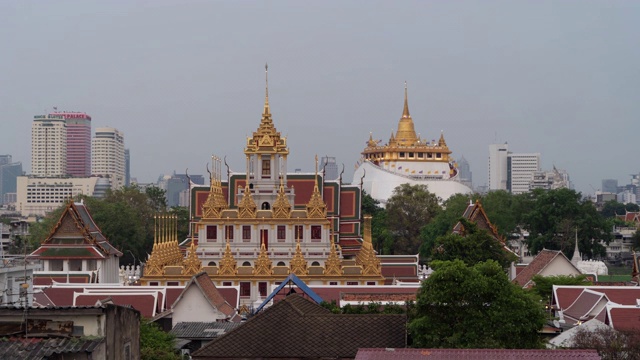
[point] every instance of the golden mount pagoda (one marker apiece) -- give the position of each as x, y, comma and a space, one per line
407, 158
256, 228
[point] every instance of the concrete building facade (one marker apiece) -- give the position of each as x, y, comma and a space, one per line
520, 169
498, 166
38, 196
78, 143
9, 172
108, 156
49, 146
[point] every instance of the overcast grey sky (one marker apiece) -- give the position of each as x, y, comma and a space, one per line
185, 79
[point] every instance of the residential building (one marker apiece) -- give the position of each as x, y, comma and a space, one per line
9, 172
76, 251
38, 196
16, 277
49, 146
550, 180
107, 156
78, 142
498, 172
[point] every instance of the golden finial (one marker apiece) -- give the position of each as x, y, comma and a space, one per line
266, 98
332, 266
281, 207
298, 264
316, 207
228, 262
405, 111
263, 262
367, 257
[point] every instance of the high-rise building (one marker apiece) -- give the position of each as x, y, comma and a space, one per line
49, 146
498, 174
9, 172
78, 142
520, 169
127, 167
464, 172
330, 168
610, 186
107, 155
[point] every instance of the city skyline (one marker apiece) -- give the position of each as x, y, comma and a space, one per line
184, 80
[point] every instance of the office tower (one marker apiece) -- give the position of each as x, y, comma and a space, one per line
49, 146
127, 167
610, 186
9, 172
498, 174
520, 169
107, 155
464, 172
78, 142
330, 168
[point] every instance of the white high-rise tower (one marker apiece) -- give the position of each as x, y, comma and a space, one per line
107, 155
498, 172
49, 146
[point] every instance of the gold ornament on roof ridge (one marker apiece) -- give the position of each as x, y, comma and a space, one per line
333, 265
316, 208
216, 202
298, 264
281, 207
367, 257
247, 206
192, 264
263, 262
228, 263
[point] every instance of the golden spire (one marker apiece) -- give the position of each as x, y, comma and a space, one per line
281, 207
192, 264
267, 110
367, 257
441, 142
298, 264
247, 207
263, 262
406, 134
405, 111
216, 202
371, 142
228, 262
333, 266
316, 208
392, 139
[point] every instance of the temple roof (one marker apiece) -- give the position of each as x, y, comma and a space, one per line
406, 134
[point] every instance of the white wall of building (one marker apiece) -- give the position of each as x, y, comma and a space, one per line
498, 166
107, 155
48, 146
38, 196
521, 169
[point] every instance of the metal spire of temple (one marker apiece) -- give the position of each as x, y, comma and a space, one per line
405, 111
267, 110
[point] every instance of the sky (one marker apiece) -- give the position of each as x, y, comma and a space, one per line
184, 80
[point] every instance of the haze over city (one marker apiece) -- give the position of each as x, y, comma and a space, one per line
185, 79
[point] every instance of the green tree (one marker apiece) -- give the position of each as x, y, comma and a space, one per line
612, 208
157, 198
504, 210
443, 222
462, 306
379, 232
553, 218
410, 208
544, 284
476, 246
611, 344
156, 344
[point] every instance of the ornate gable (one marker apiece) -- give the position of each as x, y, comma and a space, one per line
333, 266
212, 208
228, 262
247, 207
367, 257
263, 262
298, 265
316, 208
281, 207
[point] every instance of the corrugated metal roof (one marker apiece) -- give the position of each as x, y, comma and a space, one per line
43, 348
202, 330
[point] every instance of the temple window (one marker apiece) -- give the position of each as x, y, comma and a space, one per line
227, 283
228, 232
153, 283
246, 233
402, 154
266, 167
212, 232
316, 232
92, 265
352, 283
333, 283
282, 232
371, 283
429, 155
265, 206
410, 155
212, 263
262, 288
281, 263
75, 265
420, 155
173, 283
246, 263
299, 232
315, 263
55, 265
438, 155
245, 289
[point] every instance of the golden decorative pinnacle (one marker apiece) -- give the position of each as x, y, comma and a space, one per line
405, 111
367, 257
228, 262
298, 264
333, 266
281, 207
316, 208
263, 262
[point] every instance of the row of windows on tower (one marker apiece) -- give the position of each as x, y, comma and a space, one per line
281, 233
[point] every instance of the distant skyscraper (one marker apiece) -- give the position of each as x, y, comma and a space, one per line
127, 167
49, 146
610, 186
464, 172
107, 155
330, 168
78, 142
521, 168
9, 172
498, 166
